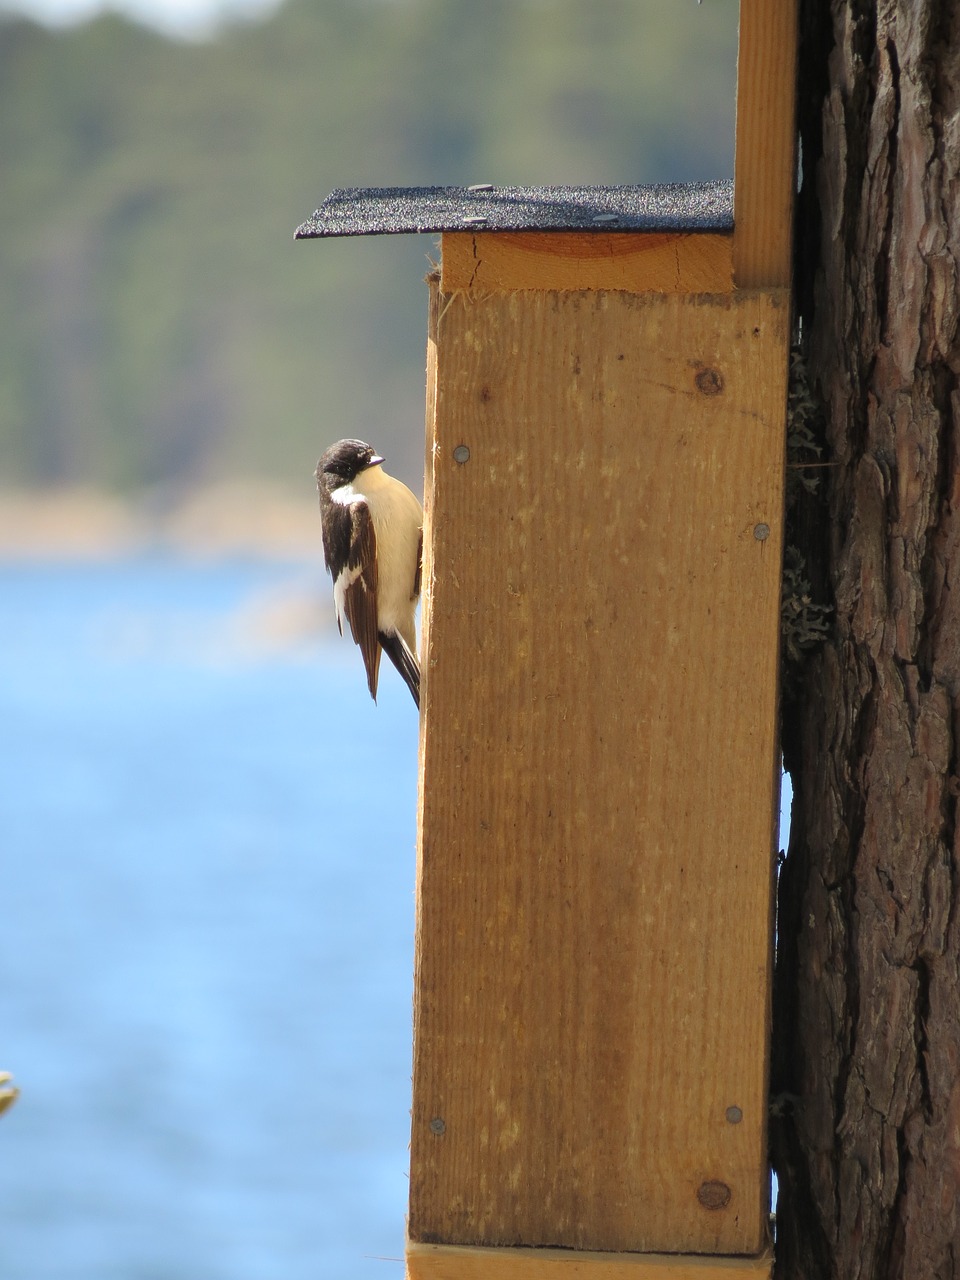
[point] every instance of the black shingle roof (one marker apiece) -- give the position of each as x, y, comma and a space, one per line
365, 211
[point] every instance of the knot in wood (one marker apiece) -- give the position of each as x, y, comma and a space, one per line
714, 1195
709, 381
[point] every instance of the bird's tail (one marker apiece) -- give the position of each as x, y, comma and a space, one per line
398, 651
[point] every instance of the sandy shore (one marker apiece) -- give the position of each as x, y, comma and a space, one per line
225, 520
232, 518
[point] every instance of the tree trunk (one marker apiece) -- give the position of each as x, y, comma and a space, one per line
866, 1109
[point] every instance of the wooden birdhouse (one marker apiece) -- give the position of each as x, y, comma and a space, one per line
606, 404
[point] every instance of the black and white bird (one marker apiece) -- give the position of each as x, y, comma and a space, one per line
372, 547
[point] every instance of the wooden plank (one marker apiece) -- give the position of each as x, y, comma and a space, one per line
598, 757
766, 147
452, 1262
638, 262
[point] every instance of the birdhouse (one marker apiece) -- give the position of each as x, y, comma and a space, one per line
606, 408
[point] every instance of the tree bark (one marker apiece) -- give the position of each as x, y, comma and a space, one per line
866, 1109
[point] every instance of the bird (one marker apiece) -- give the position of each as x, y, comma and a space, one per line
373, 549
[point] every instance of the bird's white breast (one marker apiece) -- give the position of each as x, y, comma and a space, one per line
397, 520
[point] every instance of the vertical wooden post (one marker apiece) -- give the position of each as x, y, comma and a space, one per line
766, 160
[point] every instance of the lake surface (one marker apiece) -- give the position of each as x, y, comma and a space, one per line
206, 959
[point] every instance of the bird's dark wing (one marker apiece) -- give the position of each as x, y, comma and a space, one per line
336, 521
360, 593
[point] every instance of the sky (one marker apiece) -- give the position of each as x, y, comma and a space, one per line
185, 18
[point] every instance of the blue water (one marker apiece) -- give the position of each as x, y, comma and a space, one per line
205, 959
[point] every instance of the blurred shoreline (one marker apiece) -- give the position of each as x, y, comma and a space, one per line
229, 518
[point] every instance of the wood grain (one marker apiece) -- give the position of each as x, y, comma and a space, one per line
597, 771
766, 146
446, 1262
635, 261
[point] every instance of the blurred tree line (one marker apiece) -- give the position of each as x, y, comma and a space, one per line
160, 323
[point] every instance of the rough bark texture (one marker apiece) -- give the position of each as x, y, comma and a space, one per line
866, 1112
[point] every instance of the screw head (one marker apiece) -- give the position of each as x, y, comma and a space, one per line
437, 1126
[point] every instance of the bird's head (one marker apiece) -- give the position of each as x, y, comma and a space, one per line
344, 461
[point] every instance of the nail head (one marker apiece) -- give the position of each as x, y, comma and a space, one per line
437, 1126
461, 453
761, 532
734, 1115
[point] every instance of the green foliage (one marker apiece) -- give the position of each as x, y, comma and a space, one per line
161, 324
